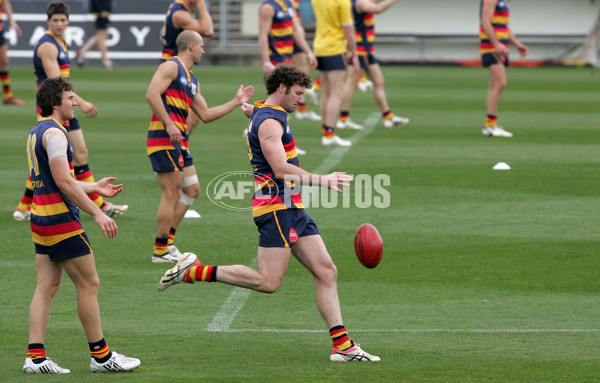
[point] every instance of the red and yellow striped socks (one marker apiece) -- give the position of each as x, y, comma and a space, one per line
491, 120
161, 246
83, 173
199, 272
100, 351
36, 352
340, 338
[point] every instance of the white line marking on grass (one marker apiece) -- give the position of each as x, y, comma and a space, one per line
432, 330
238, 296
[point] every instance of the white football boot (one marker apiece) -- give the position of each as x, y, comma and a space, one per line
395, 121
353, 354
116, 363
175, 274
335, 140
112, 210
309, 115
495, 131
46, 367
348, 124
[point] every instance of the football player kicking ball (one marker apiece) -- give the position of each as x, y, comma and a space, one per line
282, 222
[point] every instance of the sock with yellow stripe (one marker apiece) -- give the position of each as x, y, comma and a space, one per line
27, 198
328, 131
491, 120
387, 115
340, 339
317, 84
5, 78
83, 173
199, 272
362, 78
36, 352
171, 236
100, 351
302, 108
344, 115
161, 246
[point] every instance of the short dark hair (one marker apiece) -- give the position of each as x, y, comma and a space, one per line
57, 8
50, 94
287, 75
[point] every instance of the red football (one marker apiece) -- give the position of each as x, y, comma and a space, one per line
368, 245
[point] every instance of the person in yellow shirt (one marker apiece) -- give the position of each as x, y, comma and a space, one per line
334, 36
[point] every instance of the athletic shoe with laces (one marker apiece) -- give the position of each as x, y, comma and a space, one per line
348, 124
176, 273
46, 367
312, 95
495, 131
112, 210
21, 215
308, 115
165, 258
353, 354
335, 140
14, 101
116, 363
173, 250
365, 86
395, 121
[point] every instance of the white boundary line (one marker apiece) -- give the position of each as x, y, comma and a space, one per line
238, 296
431, 330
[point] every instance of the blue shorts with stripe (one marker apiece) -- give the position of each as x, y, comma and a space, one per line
282, 228
173, 160
327, 63
492, 58
72, 247
363, 60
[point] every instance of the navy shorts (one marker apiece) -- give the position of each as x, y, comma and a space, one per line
363, 63
327, 63
102, 22
281, 228
72, 247
2, 39
73, 124
492, 58
168, 160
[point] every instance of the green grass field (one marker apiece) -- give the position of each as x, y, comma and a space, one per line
486, 275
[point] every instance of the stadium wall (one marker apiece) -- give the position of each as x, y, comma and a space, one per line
557, 31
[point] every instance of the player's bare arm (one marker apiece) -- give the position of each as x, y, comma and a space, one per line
61, 173
164, 75
265, 21
206, 114
269, 134
367, 6
202, 25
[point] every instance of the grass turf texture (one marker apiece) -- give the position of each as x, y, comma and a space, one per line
486, 275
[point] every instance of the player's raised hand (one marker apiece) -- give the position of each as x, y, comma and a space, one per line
88, 109
106, 189
244, 94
